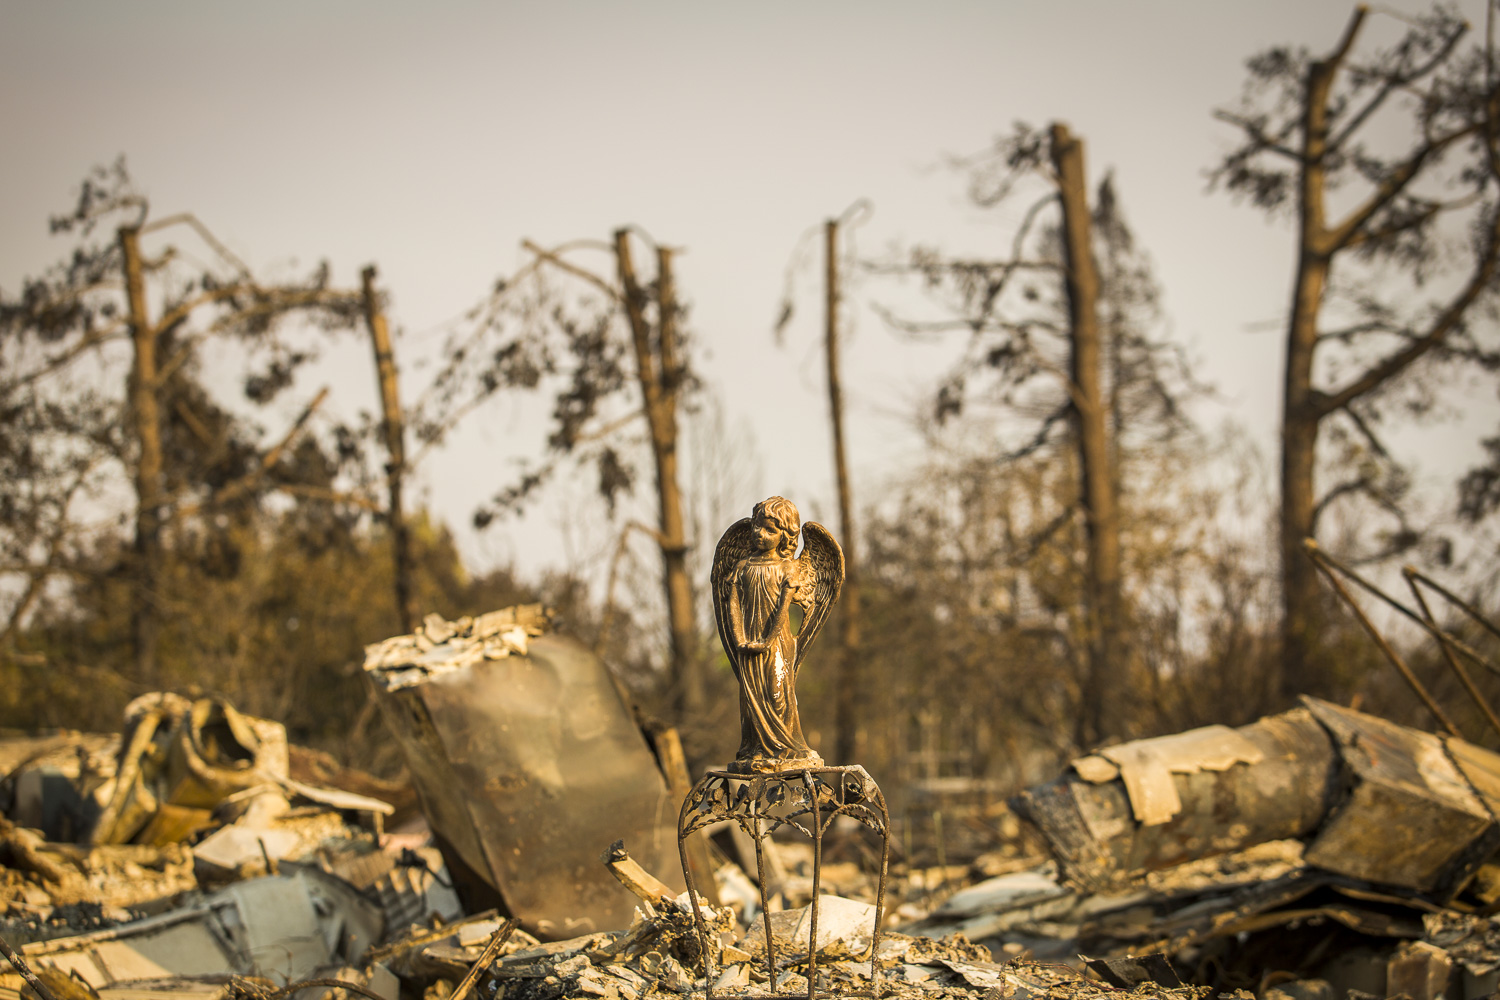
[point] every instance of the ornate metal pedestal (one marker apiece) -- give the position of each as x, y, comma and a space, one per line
809, 800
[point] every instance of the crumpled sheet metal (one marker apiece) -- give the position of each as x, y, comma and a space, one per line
527, 767
179, 760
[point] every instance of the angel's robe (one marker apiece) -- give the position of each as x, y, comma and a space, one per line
769, 726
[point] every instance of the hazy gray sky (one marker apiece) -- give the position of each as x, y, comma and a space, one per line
431, 139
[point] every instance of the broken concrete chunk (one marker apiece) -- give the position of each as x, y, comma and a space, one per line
383, 982
673, 977
918, 975
984, 976
1130, 971
1303, 989
437, 630
734, 977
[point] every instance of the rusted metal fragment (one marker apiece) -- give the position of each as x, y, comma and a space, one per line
1407, 817
527, 764
1280, 787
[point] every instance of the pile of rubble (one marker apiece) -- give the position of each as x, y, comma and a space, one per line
190, 846
1317, 855
1314, 853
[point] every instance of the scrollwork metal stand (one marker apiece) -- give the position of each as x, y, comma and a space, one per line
809, 800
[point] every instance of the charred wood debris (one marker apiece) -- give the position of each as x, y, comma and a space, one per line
1320, 854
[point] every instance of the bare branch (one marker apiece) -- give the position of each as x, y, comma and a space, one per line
1257, 135
282, 302
928, 328
1395, 82
1369, 435
333, 496
1334, 58
1043, 434
191, 220
1343, 234
186, 307
268, 302
239, 487
1360, 485
961, 267
605, 431
1430, 211
37, 575
552, 257
1024, 230
1377, 374
94, 339
1035, 542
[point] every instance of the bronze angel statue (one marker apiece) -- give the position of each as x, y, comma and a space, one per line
756, 579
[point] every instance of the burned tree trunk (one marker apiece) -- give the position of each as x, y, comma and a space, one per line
661, 374
847, 684
1300, 416
393, 429
1102, 575
146, 424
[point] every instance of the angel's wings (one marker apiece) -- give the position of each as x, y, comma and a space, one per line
734, 545
822, 562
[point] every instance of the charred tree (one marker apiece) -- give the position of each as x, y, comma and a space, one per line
528, 334
848, 680
1089, 409
1369, 315
660, 375
164, 435
146, 424
1069, 348
393, 430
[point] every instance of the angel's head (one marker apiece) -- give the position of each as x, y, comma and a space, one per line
777, 524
